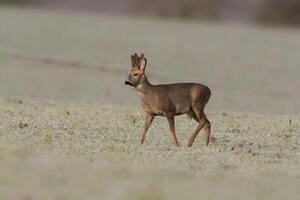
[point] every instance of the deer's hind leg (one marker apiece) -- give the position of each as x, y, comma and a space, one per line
200, 126
203, 122
207, 130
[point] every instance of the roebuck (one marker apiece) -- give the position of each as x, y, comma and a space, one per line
169, 100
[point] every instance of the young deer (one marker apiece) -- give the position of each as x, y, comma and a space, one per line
169, 100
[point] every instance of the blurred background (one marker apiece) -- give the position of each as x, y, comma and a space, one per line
79, 50
285, 12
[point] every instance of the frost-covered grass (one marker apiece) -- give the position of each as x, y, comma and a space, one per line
56, 150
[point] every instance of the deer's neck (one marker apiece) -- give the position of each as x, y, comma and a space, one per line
144, 87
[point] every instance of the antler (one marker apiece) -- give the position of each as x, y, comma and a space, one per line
142, 56
135, 60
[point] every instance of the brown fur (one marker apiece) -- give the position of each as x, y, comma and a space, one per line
169, 100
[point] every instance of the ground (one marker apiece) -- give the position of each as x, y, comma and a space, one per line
69, 128
55, 150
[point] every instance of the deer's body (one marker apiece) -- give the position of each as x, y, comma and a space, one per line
169, 100
178, 98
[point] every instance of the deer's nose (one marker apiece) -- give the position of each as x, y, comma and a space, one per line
127, 83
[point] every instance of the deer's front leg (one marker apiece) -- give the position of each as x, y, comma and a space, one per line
170, 118
148, 121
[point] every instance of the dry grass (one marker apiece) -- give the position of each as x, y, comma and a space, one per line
55, 150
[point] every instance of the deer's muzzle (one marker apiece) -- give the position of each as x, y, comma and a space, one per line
128, 83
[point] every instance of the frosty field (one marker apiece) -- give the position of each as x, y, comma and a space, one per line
69, 128
55, 150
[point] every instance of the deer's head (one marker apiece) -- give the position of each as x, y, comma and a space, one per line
137, 72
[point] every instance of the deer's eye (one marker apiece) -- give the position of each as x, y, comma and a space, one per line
135, 74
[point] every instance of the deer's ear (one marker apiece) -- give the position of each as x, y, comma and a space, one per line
143, 64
